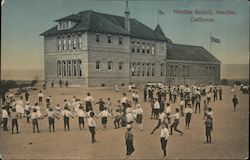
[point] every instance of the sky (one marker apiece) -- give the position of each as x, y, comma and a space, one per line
24, 20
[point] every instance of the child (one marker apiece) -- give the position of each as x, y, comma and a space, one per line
205, 109
129, 137
235, 102
208, 125
92, 125
176, 122
116, 88
88, 102
182, 103
197, 103
104, 117
188, 112
139, 112
14, 123
38, 112
110, 106
27, 111
51, 118
40, 97
81, 115
20, 107
66, 114
5, 117
117, 117
168, 111
34, 118
101, 105
164, 139
162, 119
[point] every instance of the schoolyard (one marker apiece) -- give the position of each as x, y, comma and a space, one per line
230, 137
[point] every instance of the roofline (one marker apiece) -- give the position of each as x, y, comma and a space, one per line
198, 62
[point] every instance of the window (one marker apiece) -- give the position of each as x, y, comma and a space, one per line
97, 64
59, 43
133, 69
74, 68
171, 71
67, 24
175, 71
79, 41
59, 69
64, 69
120, 40
109, 39
138, 50
138, 69
97, 37
133, 42
138, 42
143, 43
120, 65
74, 42
69, 68
60, 24
148, 69
143, 69
153, 50
69, 43
133, 50
162, 69
110, 65
79, 67
153, 69
147, 49
143, 49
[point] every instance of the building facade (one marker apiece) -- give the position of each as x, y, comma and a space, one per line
97, 49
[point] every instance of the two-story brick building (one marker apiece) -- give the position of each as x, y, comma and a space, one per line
91, 49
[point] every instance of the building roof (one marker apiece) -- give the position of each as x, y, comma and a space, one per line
189, 53
105, 23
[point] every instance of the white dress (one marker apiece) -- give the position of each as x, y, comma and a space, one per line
20, 106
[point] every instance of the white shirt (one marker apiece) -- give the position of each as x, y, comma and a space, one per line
5, 114
27, 107
188, 110
139, 111
91, 122
104, 113
157, 105
129, 117
89, 99
34, 115
124, 99
168, 109
80, 113
164, 133
162, 117
40, 94
67, 113
182, 103
176, 116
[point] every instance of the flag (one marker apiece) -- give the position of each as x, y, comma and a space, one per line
160, 12
216, 40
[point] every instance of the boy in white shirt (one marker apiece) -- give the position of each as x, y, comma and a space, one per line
40, 97
92, 125
66, 114
5, 117
176, 122
34, 118
81, 115
104, 117
164, 138
139, 112
188, 111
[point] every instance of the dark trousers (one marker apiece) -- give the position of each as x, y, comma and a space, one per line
35, 125
188, 119
92, 131
5, 123
117, 123
40, 99
158, 125
81, 122
51, 123
174, 125
66, 122
196, 106
215, 97
220, 97
27, 116
14, 124
130, 147
164, 145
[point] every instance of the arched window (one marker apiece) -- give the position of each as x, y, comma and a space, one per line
79, 40
79, 67
69, 42
120, 65
64, 68
59, 68
143, 69
69, 68
148, 69
74, 68
59, 43
74, 42
153, 69
97, 64
64, 43
133, 69
110, 65
162, 69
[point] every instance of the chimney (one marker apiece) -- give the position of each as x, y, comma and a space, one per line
127, 21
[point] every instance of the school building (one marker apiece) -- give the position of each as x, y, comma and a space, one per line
94, 49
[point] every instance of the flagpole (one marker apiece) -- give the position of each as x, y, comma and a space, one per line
210, 42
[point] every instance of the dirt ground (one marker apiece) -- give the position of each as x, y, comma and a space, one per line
229, 138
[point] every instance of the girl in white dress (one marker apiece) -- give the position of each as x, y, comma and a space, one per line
20, 106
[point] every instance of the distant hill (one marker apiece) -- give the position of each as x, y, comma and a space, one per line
228, 71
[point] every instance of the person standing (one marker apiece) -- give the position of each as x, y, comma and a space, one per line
208, 127
162, 119
66, 115
156, 109
92, 125
235, 102
88, 102
188, 112
40, 97
129, 138
81, 115
198, 103
164, 139
20, 107
220, 94
60, 83
26, 96
139, 112
104, 114
215, 93
101, 105
14, 122
5, 117
34, 118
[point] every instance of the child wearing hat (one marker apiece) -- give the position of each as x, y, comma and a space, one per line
129, 137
